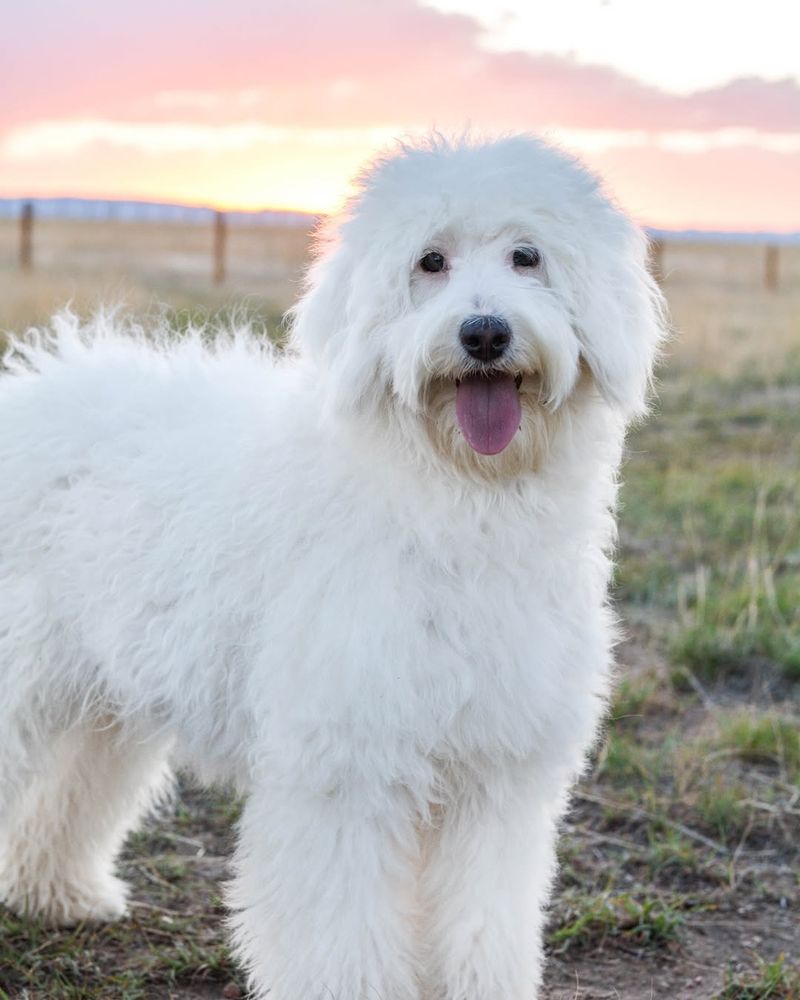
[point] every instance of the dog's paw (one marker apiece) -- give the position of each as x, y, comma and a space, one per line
66, 903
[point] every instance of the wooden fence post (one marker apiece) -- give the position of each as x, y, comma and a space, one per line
657, 259
220, 237
26, 237
771, 260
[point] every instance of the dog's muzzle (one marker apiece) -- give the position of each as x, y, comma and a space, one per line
488, 409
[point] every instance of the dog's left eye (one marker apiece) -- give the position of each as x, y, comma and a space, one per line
527, 257
432, 262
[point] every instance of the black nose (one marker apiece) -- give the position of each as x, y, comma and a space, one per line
485, 338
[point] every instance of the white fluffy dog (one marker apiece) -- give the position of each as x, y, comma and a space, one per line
365, 580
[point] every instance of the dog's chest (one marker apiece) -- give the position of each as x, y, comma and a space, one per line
490, 645
393, 640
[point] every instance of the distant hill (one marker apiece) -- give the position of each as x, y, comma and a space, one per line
107, 209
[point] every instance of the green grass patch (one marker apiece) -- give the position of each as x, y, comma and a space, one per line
715, 651
669, 849
624, 760
720, 807
710, 526
633, 696
645, 578
588, 923
771, 981
763, 737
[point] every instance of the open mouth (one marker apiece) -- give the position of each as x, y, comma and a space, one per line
488, 410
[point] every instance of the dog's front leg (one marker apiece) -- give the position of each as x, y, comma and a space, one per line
487, 874
323, 894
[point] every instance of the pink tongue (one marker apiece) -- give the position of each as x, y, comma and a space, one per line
488, 411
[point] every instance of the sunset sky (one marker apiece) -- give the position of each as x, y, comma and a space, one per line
690, 109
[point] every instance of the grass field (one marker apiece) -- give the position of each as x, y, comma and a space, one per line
681, 856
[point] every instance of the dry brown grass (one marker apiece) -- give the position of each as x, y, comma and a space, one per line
144, 265
724, 318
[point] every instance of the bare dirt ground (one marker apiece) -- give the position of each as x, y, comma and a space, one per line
680, 860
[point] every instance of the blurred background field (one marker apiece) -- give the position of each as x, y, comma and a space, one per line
680, 861
145, 265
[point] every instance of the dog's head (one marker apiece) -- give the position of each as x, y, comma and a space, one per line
471, 289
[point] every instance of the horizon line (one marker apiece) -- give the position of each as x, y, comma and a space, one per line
654, 229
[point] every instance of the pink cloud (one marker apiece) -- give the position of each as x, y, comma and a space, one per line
740, 188
108, 58
560, 90
320, 64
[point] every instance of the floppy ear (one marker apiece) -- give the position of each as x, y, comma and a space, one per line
334, 327
620, 319
318, 318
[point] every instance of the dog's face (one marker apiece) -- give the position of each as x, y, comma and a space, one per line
471, 290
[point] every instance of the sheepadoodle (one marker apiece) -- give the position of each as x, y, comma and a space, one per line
364, 579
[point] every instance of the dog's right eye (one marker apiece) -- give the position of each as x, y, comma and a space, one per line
432, 262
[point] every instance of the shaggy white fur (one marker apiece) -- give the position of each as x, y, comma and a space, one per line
295, 572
